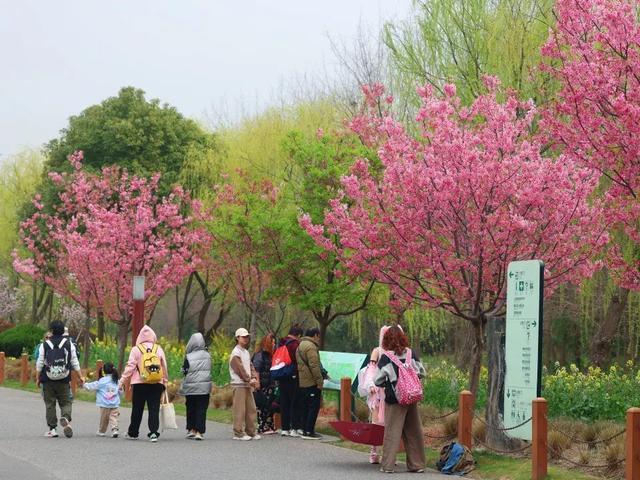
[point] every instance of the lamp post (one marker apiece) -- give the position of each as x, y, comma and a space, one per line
138, 307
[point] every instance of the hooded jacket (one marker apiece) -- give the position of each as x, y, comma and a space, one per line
147, 337
196, 368
308, 356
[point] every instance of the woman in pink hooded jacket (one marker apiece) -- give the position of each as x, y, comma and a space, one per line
144, 392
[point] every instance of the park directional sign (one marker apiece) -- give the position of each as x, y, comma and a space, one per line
340, 365
523, 345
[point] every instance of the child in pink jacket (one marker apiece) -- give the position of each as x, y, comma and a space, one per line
144, 392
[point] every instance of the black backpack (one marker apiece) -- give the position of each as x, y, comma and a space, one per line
57, 359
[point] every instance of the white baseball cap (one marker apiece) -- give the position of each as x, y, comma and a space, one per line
242, 332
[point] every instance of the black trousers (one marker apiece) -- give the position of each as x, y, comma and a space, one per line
150, 394
197, 412
290, 404
311, 398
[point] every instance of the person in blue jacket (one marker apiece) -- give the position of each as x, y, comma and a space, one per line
107, 399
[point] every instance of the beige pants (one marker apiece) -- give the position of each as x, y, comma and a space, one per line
402, 422
108, 418
244, 412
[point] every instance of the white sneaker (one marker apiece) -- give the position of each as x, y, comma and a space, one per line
53, 433
198, 436
285, 433
244, 438
115, 433
100, 434
256, 437
294, 433
190, 434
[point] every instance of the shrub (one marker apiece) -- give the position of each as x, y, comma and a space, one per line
558, 443
613, 453
21, 338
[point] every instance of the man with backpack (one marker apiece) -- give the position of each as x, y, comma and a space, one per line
147, 369
284, 369
56, 358
311, 381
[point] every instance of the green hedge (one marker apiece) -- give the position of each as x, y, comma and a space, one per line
22, 337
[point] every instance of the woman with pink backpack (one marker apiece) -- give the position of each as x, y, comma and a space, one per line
399, 373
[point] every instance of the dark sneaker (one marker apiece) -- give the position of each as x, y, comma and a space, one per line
153, 437
129, 437
311, 436
66, 427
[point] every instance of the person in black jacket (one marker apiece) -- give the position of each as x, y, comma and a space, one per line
56, 359
264, 396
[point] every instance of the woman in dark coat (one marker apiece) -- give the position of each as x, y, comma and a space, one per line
264, 396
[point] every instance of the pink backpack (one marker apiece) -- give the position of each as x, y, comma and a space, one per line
409, 387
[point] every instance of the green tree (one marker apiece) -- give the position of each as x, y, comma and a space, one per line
140, 135
20, 176
308, 276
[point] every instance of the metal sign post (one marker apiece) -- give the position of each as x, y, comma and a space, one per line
523, 349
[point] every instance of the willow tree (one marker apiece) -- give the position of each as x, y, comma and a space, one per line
459, 41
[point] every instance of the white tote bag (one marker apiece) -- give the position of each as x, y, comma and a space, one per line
167, 414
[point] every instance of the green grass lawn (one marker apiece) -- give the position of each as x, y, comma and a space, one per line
489, 466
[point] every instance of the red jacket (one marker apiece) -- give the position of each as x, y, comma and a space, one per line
292, 346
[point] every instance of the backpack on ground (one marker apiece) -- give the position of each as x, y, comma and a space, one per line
281, 364
408, 388
57, 360
455, 459
149, 366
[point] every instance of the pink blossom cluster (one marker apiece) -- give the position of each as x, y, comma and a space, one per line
454, 205
106, 229
594, 53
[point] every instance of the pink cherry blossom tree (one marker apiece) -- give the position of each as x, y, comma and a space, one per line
594, 53
454, 205
104, 230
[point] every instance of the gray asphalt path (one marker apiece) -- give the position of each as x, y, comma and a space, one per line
26, 455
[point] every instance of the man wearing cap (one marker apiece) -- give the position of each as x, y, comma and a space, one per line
244, 380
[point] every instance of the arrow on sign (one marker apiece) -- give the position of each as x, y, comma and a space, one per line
508, 393
510, 274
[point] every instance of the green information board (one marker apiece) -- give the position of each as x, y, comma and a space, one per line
341, 365
523, 346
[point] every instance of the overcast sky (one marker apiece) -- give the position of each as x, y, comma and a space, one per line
59, 57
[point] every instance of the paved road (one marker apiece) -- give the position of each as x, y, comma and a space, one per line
25, 454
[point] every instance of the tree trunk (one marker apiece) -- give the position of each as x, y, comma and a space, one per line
123, 334
494, 410
202, 314
602, 343
87, 337
100, 320
323, 333
478, 347
464, 339
252, 328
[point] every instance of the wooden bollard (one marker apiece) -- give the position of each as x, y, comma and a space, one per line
2, 365
539, 439
99, 365
277, 421
24, 369
465, 418
345, 399
633, 444
74, 382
